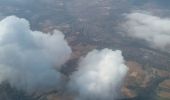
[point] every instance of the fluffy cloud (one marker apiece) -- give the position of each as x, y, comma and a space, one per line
29, 59
99, 75
155, 30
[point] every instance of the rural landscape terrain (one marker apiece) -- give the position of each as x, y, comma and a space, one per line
140, 29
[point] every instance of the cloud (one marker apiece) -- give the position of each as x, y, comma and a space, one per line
155, 30
99, 75
29, 59
14, 1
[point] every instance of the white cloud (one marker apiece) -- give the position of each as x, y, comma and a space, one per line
29, 59
99, 75
155, 30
